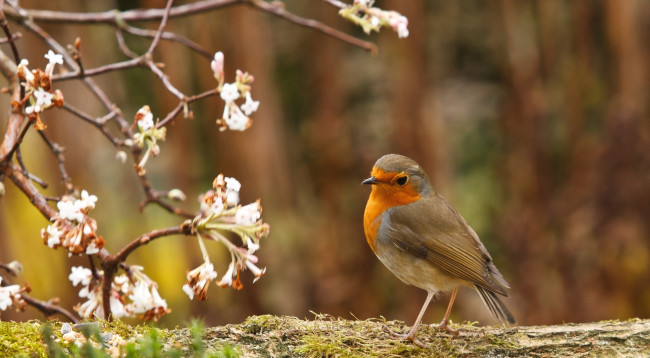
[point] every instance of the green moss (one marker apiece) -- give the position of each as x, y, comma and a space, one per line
323, 336
20, 339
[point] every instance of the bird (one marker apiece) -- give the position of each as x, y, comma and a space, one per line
425, 242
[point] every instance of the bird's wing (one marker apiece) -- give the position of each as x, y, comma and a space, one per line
431, 229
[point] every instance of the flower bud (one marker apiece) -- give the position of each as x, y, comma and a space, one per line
176, 194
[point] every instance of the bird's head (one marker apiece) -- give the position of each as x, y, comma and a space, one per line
399, 179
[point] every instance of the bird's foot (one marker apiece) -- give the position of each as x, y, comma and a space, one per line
406, 337
444, 325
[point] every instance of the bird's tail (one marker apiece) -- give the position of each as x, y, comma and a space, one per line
494, 304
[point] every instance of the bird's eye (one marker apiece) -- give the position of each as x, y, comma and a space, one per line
402, 180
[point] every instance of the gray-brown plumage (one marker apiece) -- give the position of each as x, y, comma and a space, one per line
423, 240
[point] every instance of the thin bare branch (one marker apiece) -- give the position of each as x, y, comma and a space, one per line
165, 80
49, 308
116, 18
99, 70
122, 43
5, 29
279, 10
167, 36
57, 150
23, 183
171, 115
161, 27
113, 16
336, 3
150, 236
99, 123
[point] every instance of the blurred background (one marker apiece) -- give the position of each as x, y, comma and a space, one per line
530, 117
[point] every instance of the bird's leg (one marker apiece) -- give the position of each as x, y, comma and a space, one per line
411, 335
443, 324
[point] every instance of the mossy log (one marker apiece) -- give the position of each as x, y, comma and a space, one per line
272, 336
325, 336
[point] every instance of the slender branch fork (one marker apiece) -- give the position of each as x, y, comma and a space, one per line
19, 124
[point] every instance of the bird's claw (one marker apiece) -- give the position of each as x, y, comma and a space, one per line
445, 326
406, 337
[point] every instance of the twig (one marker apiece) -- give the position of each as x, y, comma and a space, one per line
167, 36
161, 27
165, 80
171, 115
110, 263
13, 38
113, 17
122, 43
336, 3
150, 236
154, 196
49, 308
16, 128
99, 123
278, 10
5, 29
99, 70
89, 82
57, 150
24, 184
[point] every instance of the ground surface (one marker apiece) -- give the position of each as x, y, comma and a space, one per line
271, 336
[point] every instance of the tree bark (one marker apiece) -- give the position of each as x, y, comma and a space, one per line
326, 336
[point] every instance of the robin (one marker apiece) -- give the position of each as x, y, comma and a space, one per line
423, 240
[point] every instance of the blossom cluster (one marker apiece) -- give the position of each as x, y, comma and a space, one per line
221, 213
148, 136
235, 117
132, 294
10, 296
370, 18
72, 228
38, 87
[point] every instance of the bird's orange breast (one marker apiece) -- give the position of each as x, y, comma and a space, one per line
383, 197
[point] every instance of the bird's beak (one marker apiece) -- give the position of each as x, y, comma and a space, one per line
371, 180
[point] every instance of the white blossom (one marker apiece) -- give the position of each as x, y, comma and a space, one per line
121, 283
248, 215
94, 304
145, 297
402, 30
229, 92
43, 99
198, 280
252, 245
6, 294
92, 249
232, 190
226, 280
250, 106
81, 275
53, 235
117, 308
189, 291
145, 122
236, 120
25, 72
87, 201
140, 298
69, 211
53, 59
255, 270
